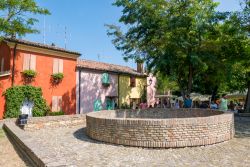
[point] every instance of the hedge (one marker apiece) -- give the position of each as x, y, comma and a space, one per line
15, 97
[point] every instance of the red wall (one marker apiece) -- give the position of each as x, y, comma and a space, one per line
44, 69
5, 81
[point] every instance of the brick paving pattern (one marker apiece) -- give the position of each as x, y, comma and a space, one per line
71, 147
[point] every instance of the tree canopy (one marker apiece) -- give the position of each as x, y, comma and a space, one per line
16, 17
173, 37
188, 42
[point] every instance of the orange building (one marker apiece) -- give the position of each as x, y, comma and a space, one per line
19, 55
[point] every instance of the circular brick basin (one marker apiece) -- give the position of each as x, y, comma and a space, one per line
162, 128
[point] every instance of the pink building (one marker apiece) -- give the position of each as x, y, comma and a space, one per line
103, 86
151, 90
90, 87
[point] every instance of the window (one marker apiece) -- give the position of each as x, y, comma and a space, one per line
29, 62
57, 66
105, 79
56, 103
132, 81
2, 64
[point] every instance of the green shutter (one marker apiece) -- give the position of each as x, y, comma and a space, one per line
97, 105
105, 79
110, 105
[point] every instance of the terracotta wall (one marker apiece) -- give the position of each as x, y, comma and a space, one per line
5, 81
44, 69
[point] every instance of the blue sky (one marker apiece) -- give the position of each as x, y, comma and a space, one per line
85, 32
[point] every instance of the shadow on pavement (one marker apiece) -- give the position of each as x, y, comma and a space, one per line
242, 127
80, 134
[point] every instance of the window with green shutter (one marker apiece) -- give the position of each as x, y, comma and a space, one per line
97, 105
105, 79
110, 104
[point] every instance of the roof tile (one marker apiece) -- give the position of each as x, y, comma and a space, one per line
87, 64
35, 44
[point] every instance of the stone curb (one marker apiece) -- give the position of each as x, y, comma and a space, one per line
21, 141
30, 148
7, 120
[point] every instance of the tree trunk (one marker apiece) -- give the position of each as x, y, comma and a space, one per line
214, 93
247, 104
190, 79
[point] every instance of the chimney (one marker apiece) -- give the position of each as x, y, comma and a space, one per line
140, 67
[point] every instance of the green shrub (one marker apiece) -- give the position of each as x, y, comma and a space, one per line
125, 106
29, 73
56, 113
16, 95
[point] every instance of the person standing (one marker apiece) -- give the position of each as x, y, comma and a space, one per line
187, 102
143, 105
223, 103
177, 105
231, 106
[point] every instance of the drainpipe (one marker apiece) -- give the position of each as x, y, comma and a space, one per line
13, 66
79, 91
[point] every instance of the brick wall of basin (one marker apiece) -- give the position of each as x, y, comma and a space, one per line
161, 127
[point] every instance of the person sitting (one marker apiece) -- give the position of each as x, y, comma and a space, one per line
213, 105
204, 105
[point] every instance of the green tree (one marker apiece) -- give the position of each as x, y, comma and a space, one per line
171, 36
239, 78
228, 46
165, 83
16, 17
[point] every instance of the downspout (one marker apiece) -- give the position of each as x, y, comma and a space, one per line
79, 91
13, 66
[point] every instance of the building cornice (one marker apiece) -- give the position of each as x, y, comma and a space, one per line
47, 51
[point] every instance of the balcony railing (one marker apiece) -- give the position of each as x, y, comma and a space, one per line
4, 73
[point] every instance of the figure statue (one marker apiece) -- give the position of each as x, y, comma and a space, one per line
27, 107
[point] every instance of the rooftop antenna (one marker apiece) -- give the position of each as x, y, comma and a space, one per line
102, 56
98, 56
65, 37
44, 27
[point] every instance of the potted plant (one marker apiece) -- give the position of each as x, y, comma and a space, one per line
29, 75
57, 77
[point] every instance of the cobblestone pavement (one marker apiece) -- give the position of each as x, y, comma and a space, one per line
71, 147
8, 155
